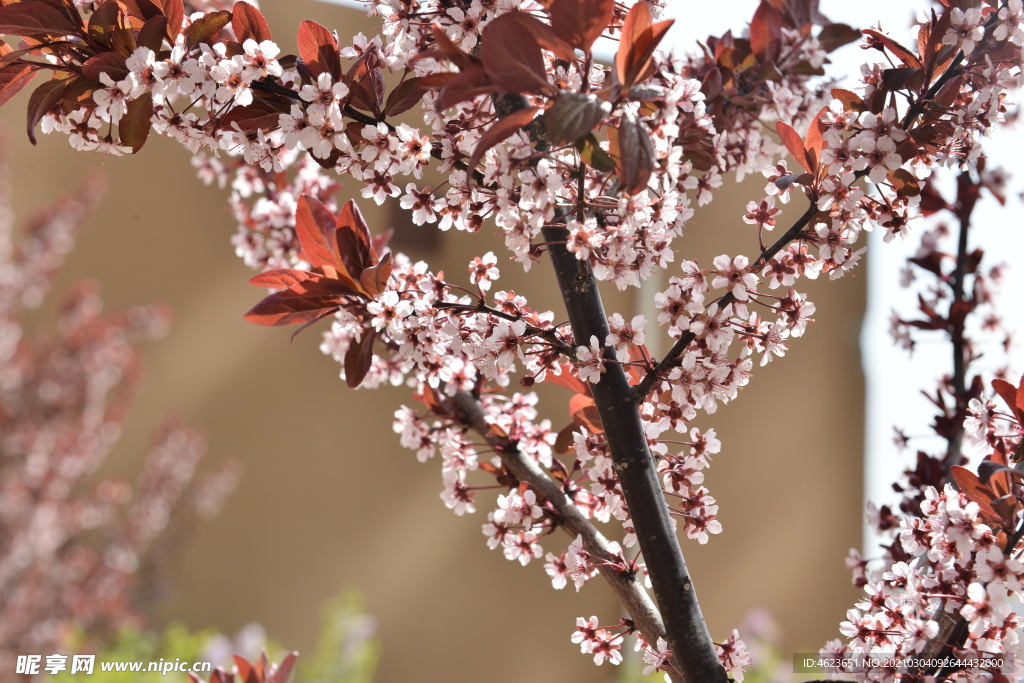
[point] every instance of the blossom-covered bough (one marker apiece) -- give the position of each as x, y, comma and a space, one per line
598, 167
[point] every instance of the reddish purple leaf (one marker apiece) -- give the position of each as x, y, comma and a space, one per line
375, 278
834, 36
352, 236
43, 99
152, 33
908, 58
468, 84
512, 57
134, 126
174, 12
205, 29
573, 115
633, 61
260, 115
405, 96
110, 63
795, 145
543, 33
766, 33
282, 309
319, 49
281, 278
971, 486
502, 129
13, 78
314, 226
581, 22
248, 22
636, 153
359, 358
34, 19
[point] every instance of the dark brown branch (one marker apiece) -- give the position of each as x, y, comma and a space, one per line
965, 206
693, 651
625, 586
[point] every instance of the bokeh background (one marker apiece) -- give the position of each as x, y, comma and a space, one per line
329, 501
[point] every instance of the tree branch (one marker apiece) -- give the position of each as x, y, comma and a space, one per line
965, 206
652, 378
633, 597
687, 634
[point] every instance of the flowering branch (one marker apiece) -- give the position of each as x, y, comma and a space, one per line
634, 599
532, 134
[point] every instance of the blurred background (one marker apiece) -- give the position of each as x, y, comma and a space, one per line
329, 501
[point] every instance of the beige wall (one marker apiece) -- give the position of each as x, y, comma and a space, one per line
329, 500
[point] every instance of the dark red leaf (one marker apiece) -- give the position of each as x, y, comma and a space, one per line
453, 52
43, 99
637, 21
638, 42
375, 278
544, 34
314, 226
791, 139
352, 237
908, 58
512, 57
903, 78
319, 49
260, 115
580, 22
34, 19
152, 33
904, 181
502, 129
976, 492
711, 86
110, 63
766, 33
1013, 396
135, 124
104, 21
13, 78
405, 96
284, 309
815, 132
281, 278
285, 668
468, 84
174, 12
568, 380
834, 36
79, 91
368, 92
248, 22
359, 358
206, 28
573, 115
850, 99
565, 440
122, 41
636, 154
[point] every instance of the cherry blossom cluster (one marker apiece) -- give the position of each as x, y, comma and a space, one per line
71, 548
956, 565
951, 569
